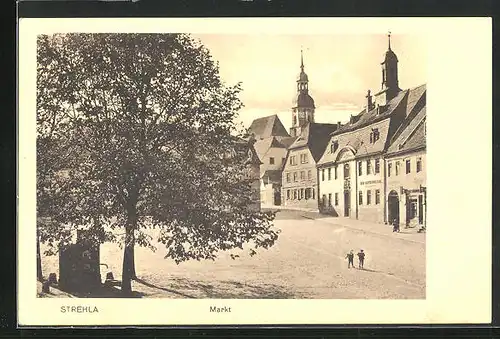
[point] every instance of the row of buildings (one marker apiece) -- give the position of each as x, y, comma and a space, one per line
370, 168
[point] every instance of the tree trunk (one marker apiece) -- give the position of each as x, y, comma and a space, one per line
128, 263
39, 273
133, 275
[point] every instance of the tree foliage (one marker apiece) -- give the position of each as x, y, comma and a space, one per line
137, 131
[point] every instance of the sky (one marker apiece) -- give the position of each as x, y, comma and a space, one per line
341, 68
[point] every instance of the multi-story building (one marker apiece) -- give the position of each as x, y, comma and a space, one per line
272, 142
299, 188
352, 171
300, 181
406, 172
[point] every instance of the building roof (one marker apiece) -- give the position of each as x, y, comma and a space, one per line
286, 141
412, 136
415, 96
366, 118
262, 146
315, 136
272, 176
268, 126
401, 111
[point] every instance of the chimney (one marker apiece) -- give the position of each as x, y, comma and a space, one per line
338, 124
369, 104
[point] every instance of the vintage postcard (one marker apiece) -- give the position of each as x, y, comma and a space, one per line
254, 171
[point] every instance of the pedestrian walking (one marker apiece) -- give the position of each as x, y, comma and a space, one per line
361, 258
350, 259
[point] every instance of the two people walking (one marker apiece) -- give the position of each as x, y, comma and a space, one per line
350, 259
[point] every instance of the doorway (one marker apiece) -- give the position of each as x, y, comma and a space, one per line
277, 197
393, 206
347, 203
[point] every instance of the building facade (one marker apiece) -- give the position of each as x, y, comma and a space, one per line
300, 179
406, 174
271, 146
356, 173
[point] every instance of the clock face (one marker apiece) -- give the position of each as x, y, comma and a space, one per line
302, 115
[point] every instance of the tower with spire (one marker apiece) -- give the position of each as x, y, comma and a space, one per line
390, 84
303, 106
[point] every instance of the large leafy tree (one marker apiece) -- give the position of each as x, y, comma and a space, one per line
153, 143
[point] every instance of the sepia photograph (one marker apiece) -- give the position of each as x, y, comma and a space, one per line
176, 166
267, 174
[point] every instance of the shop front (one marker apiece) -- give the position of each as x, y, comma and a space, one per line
414, 203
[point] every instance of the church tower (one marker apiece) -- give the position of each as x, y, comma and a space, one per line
390, 83
303, 108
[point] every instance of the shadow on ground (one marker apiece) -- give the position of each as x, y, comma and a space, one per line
102, 292
221, 289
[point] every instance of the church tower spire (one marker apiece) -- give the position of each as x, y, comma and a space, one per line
390, 68
390, 82
303, 108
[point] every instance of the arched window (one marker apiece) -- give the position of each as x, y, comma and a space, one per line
346, 171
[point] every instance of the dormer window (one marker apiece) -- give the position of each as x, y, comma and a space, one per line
334, 146
374, 135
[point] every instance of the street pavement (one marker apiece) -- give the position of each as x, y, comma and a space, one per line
307, 261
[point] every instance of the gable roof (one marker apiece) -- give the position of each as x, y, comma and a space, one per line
315, 136
273, 176
268, 126
261, 146
401, 111
366, 118
286, 141
412, 135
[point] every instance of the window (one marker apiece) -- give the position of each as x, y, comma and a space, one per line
397, 167
368, 167
322, 175
313, 196
360, 168
377, 166
335, 172
419, 165
329, 174
334, 146
309, 175
389, 169
294, 176
287, 194
271, 161
346, 171
293, 160
360, 198
336, 199
303, 159
377, 197
408, 166
329, 199
302, 175
295, 194
374, 135
288, 177
301, 193
324, 200
368, 197
308, 193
